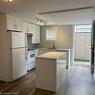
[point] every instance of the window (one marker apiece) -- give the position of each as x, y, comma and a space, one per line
83, 28
51, 34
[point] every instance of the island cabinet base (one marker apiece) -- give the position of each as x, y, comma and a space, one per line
50, 74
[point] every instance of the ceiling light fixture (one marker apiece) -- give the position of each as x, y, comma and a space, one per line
9, 0
40, 22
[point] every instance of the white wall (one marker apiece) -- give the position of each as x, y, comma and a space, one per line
64, 37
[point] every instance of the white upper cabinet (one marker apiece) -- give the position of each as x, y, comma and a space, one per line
34, 29
14, 23
36, 34
27, 27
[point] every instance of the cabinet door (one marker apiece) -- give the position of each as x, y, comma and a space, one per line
36, 34
19, 24
27, 27
14, 23
18, 63
11, 23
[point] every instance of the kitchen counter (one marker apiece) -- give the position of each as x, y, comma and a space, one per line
68, 53
52, 55
50, 72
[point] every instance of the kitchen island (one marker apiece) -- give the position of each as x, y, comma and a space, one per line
50, 72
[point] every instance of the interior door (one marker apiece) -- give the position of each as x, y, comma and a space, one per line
82, 46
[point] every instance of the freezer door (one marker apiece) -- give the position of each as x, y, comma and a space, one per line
18, 39
18, 63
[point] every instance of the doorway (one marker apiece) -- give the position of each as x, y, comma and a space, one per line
82, 45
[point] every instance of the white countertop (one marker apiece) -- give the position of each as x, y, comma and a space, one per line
61, 49
52, 55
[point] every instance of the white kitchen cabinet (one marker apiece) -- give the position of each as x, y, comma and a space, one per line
34, 29
27, 27
36, 33
14, 23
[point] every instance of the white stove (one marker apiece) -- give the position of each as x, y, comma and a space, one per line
31, 60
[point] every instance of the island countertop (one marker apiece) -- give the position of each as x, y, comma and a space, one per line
52, 55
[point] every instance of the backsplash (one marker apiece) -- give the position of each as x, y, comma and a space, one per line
37, 45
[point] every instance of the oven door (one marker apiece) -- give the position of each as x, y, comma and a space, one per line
31, 61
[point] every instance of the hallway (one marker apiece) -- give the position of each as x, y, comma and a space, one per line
78, 81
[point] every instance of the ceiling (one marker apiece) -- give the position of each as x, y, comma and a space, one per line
29, 9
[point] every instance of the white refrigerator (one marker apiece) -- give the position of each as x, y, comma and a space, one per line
17, 67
